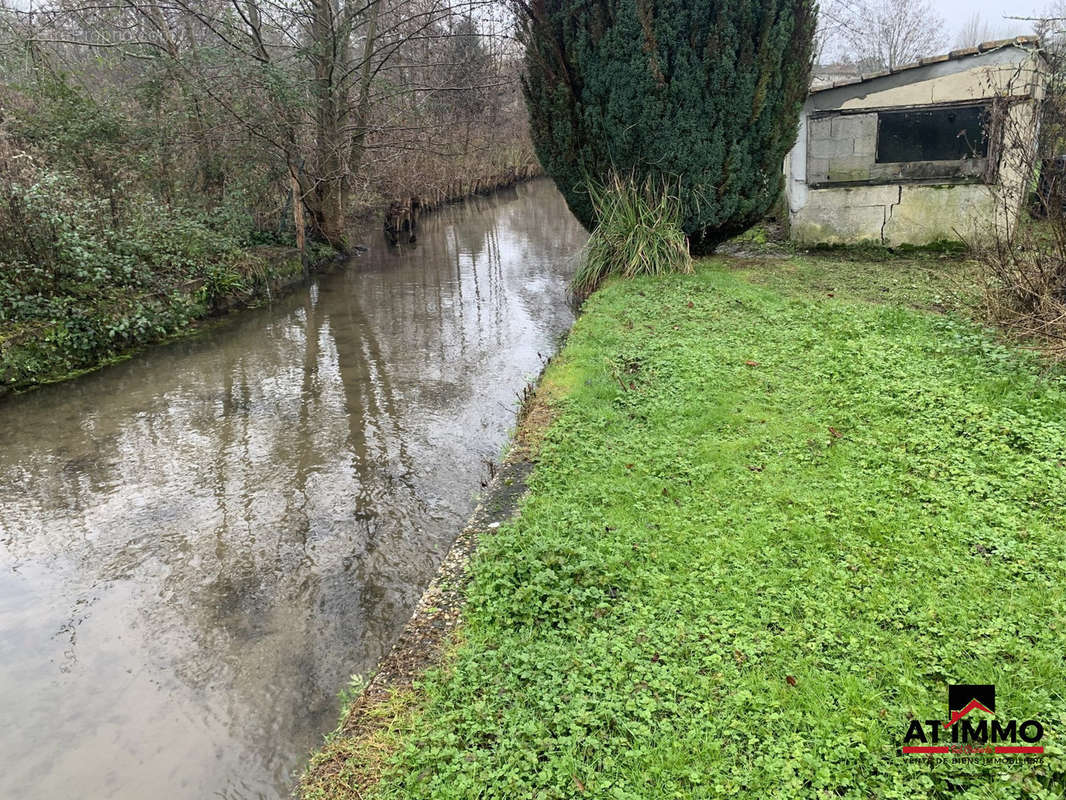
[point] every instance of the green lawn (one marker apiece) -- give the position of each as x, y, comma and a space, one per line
770, 524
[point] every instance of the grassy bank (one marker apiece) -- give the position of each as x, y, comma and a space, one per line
771, 523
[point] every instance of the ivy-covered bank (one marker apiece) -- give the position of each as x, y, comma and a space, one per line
93, 301
771, 523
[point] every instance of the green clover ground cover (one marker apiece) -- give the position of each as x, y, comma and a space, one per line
765, 531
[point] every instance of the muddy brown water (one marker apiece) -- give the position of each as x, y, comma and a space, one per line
199, 546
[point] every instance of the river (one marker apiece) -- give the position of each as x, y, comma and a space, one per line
200, 545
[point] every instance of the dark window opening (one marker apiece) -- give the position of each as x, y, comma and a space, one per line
938, 134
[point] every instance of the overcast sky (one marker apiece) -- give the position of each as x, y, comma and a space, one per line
956, 12
992, 11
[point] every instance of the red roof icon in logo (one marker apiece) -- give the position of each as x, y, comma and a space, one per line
964, 698
973, 705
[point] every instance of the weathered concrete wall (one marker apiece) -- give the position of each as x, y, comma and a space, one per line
894, 214
911, 202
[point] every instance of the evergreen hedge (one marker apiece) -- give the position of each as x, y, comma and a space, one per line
706, 92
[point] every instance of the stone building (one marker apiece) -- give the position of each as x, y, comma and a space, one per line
939, 149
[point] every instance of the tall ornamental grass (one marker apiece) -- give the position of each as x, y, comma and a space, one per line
638, 232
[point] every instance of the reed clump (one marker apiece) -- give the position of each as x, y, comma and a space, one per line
638, 232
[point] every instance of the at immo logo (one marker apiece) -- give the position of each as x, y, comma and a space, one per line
973, 728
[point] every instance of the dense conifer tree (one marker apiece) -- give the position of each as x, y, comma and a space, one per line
703, 92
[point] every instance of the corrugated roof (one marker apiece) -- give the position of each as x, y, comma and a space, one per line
954, 55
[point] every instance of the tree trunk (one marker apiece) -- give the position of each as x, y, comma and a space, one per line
362, 109
330, 108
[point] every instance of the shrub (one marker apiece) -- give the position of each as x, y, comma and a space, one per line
1024, 264
639, 232
79, 287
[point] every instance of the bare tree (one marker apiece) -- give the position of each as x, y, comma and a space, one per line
313, 94
976, 29
832, 23
1049, 26
886, 34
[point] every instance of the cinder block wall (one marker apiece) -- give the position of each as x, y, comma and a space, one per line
841, 148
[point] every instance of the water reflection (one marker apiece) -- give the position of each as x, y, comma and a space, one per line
197, 547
